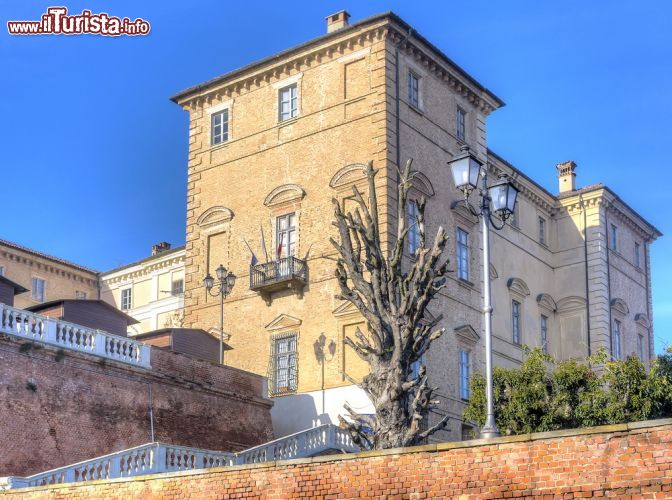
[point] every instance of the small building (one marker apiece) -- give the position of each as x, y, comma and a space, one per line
96, 314
191, 341
8, 289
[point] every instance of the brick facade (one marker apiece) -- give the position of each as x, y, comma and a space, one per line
623, 461
58, 408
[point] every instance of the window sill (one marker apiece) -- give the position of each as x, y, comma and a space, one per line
288, 121
466, 283
417, 109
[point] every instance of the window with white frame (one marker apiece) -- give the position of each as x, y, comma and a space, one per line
177, 287
640, 346
79, 295
515, 321
2, 271
219, 127
637, 258
617, 332
284, 366
614, 237
285, 235
126, 299
542, 230
544, 333
288, 102
462, 239
465, 368
413, 89
413, 237
38, 289
460, 124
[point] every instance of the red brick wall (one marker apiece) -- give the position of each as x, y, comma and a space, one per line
58, 408
614, 461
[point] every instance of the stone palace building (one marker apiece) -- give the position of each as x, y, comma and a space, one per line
271, 144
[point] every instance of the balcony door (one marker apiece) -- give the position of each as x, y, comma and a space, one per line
285, 235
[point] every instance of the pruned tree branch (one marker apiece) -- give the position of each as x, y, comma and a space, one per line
391, 290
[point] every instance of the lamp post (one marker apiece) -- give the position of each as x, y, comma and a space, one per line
226, 282
499, 200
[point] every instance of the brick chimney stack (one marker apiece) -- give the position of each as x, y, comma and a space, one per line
160, 247
337, 21
566, 176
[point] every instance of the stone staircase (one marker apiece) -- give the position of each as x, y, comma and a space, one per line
155, 458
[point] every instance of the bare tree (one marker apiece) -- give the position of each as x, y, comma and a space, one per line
392, 294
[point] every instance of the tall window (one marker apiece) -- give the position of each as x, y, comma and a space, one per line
515, 321
413, 89
515, 221
614, 237
460, 125
79, 295
464, 375
38, 289
616, 339
640, 346
462, 254
285, 235
126, 299
413, 228
284, 364
288, 103
544, 333
2, 271
177, 287
637, 257
219, 126
542, 230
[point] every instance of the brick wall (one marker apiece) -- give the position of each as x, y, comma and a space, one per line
58, 408
624, 461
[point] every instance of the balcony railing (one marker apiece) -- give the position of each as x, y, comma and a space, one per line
155, 458
72, 337
289, 272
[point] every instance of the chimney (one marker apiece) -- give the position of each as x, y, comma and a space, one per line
567, 176
337, 21
160, 247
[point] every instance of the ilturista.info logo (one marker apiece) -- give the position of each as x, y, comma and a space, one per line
57, 21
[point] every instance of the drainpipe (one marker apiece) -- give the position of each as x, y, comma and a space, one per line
649, 306
606, 238
397, 99
585, 256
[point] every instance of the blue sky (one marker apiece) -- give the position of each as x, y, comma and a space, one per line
93, 154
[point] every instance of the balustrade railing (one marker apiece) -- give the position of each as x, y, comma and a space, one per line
154, 458
38, 328
279, 270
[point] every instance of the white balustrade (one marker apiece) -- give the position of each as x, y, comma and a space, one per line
38, 328
154, 458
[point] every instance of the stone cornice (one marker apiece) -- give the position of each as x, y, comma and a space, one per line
525, 189
56, 268
282, 67
144, 269
433, 64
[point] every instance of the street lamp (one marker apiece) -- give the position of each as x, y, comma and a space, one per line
226, 282
500, 200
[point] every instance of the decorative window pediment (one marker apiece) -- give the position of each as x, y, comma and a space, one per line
570, 303
467, 334
463, 213
345, 309
214, 216
283, 322
620, 306
349, 175
283, 194
422, 184
546, 301
642, 320
518, 286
